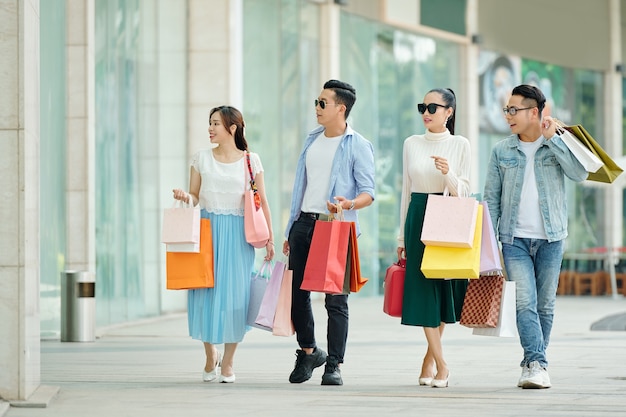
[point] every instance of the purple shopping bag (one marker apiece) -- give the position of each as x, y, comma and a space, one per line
267, 311
489, 249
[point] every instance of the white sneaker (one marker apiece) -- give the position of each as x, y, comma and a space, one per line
537, 378
524, 377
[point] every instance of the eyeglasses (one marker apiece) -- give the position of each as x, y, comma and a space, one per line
432, 107
513, 110
322, 104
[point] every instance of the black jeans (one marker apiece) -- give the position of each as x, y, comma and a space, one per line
300, 237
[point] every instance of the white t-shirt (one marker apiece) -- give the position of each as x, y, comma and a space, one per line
223, 184
529, 220
319, 163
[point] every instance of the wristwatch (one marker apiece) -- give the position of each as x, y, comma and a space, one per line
351, 205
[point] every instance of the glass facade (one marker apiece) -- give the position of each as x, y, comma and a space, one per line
141, 104
392, 70
53, 164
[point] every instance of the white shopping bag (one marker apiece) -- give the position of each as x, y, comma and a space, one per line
183, 247
507, 326
587, 158
181, 224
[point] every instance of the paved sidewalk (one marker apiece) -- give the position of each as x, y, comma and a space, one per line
154, 369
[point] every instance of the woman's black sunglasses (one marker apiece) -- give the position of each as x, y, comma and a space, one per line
432, 107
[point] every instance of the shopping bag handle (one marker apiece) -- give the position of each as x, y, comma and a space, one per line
181, 203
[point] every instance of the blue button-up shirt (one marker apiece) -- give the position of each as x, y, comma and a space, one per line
352, 173
505, 175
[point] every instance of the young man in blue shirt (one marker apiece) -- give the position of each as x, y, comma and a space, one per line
336, 166
525, 192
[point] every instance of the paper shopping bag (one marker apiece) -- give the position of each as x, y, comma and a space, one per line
490, 260
181, 224
258, 285
394, 289
609, 170
267, 310
507, 326
446, 262
283, 326
449, 221
588, 159
192, 270
481, 305
357, 281
325, 269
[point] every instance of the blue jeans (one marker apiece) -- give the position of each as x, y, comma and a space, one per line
534, 265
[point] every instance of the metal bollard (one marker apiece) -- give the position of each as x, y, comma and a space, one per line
78, 306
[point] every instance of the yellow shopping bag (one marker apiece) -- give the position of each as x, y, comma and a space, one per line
445, 262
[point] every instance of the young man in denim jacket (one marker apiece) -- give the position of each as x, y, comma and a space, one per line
336, 166
525, 191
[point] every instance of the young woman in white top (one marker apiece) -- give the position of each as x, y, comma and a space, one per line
218, 182
433, 161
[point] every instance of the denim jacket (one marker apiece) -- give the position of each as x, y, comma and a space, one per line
352, 173
503, 185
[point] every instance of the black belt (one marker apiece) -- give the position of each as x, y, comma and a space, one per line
315, 216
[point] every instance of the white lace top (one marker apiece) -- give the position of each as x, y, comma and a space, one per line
223, 184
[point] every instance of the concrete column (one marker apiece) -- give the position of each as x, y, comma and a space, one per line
470, 102
80, 193
19, 199
613, 131
214, 62
330, 35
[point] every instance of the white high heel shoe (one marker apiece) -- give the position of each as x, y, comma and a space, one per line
211, 375
440, 383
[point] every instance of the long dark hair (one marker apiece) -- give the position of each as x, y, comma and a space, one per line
450, 99
232, 116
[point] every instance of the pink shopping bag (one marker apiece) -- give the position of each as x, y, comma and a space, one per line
181, 224
489, 248
267, 311
449, 221
283, 326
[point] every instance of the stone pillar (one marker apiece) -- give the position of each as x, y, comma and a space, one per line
330, 42
214, 62
80, 192
470, 102
613, 130
19, 199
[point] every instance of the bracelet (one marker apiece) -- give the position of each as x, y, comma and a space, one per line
351, 205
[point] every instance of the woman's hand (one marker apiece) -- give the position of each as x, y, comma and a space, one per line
401, 253
441, 164
269, 250
182, 195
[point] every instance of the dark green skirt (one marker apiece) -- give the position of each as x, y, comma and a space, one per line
426, 302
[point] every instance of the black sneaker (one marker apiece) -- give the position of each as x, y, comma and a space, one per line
332, 373
305, 365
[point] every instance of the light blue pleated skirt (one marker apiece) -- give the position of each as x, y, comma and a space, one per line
218, 315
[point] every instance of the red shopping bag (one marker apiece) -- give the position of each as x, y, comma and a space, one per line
394, 288
186, 270
333, 263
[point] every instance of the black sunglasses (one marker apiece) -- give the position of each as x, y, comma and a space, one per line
321, 103
432, 107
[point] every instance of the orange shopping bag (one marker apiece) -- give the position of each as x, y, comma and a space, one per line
186, 270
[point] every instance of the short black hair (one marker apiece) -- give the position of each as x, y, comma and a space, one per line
344, 93
530, 92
